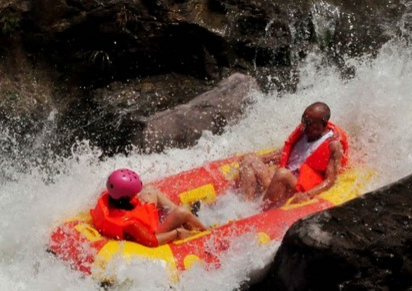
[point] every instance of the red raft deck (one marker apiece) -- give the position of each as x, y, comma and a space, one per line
79, 243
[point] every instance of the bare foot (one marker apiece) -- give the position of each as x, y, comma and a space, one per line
183, 233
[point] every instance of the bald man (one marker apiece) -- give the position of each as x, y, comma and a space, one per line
309, 162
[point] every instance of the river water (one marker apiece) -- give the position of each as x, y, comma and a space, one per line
375, 108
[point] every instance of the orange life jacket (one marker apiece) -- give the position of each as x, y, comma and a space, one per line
312, 171
112, 222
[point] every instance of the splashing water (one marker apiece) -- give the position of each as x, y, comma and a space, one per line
375, 108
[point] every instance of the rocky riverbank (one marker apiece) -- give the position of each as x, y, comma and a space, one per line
364, 244
72, 70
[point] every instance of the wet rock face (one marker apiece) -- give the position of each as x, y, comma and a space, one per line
204, 39
120, 119
183, 125
155, 55
366, 244
118, 114
208, 39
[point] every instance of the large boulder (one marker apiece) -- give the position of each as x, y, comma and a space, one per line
183, 125
365, 244
120, 119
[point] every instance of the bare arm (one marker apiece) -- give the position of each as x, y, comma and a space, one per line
176, 216
165, 203
331, 173
142, 236
151, 194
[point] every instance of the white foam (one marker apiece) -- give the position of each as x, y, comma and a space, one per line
375, 108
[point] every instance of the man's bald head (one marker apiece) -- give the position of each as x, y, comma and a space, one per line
315, 120
319, 109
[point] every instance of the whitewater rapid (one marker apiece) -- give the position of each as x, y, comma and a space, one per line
375, 108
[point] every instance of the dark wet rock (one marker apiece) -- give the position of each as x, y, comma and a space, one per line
95, 43
183, 125
120, 118
115, 116
119, 40
365, 244
139, 50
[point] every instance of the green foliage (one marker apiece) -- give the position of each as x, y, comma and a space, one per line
9, 24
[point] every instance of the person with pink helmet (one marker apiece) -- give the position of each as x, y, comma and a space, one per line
127, 210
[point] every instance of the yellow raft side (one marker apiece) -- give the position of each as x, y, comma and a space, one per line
204, 193
349, 185
127, 250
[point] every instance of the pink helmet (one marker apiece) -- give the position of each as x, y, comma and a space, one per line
123, 183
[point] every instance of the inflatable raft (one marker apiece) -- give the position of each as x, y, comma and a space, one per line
79, 243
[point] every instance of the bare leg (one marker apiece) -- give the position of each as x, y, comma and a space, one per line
253, 173
248, 182
179, 217
281, 188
